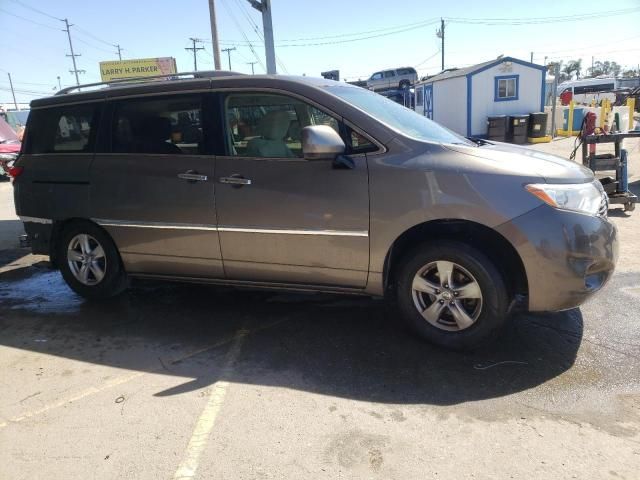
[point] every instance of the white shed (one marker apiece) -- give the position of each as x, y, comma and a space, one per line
462, 99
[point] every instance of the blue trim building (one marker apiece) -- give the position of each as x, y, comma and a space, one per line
462, 99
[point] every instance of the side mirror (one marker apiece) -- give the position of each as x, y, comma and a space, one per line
321, 142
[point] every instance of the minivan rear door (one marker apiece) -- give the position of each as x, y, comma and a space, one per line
153, 189
283, 218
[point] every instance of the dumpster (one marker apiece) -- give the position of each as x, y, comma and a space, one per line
497, 128
537, 125
517, 128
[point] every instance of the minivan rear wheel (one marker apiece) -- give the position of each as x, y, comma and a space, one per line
89, 261
452, 295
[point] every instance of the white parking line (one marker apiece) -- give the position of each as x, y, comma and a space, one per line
127, 378
202, 431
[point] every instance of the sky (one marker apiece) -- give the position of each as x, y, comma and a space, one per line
356, 37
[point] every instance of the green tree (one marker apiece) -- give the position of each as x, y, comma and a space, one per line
605, 68
573, 67
555, 68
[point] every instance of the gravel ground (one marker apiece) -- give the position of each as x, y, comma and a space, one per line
187, 381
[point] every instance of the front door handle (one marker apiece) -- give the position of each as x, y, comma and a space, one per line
192, 176
236, 180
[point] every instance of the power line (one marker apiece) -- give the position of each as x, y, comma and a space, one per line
91, 35
427, 59
93, 46
27, 19
348, 40
78, 29
24, 5
336, 42
250, 45
19, 82
425, 23
247, 14
537, 20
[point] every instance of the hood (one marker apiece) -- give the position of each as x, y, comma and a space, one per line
526, 161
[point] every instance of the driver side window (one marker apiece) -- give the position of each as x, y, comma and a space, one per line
264, 125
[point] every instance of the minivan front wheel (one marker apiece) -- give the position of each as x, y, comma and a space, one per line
452, 295
89, 261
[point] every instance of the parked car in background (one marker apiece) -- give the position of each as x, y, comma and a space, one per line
9, 146
394, 78
317, 186
587, 90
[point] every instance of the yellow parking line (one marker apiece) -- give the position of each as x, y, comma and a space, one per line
202, 431
127, 378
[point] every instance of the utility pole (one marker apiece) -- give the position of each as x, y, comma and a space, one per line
214, 35
73, 56
252, 64
119, 52
59, 84
440, 34
15, 104
264, 7
592, 59
229, 50
545, 60
195, 51
531, 57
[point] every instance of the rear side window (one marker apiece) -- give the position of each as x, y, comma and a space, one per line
406, 71
168, 125
67, 129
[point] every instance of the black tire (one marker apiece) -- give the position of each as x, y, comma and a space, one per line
404, 84
494, 295
114, 280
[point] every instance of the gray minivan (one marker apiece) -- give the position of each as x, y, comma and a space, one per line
307, 184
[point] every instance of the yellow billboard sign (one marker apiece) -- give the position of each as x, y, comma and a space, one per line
137, 68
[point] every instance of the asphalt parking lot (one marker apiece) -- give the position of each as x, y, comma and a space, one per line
190, 381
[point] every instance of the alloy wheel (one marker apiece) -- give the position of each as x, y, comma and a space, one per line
447, 295
86, 259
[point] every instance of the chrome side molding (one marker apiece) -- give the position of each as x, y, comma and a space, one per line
230, 229
284, 231
162, 225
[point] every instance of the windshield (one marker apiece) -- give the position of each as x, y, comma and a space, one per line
396, 116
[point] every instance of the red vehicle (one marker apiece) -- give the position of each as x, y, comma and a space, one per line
9, 146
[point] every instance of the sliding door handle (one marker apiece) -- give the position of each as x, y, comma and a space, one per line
235, 180
192, 176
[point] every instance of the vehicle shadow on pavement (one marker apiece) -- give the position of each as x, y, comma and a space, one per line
344, 346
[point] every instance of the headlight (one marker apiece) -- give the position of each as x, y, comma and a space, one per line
582, 197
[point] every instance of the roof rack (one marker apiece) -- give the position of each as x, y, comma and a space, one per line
170, 76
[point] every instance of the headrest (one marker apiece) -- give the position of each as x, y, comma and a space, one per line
274, 125
158, 128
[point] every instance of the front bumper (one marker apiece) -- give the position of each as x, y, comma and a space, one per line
567, 256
